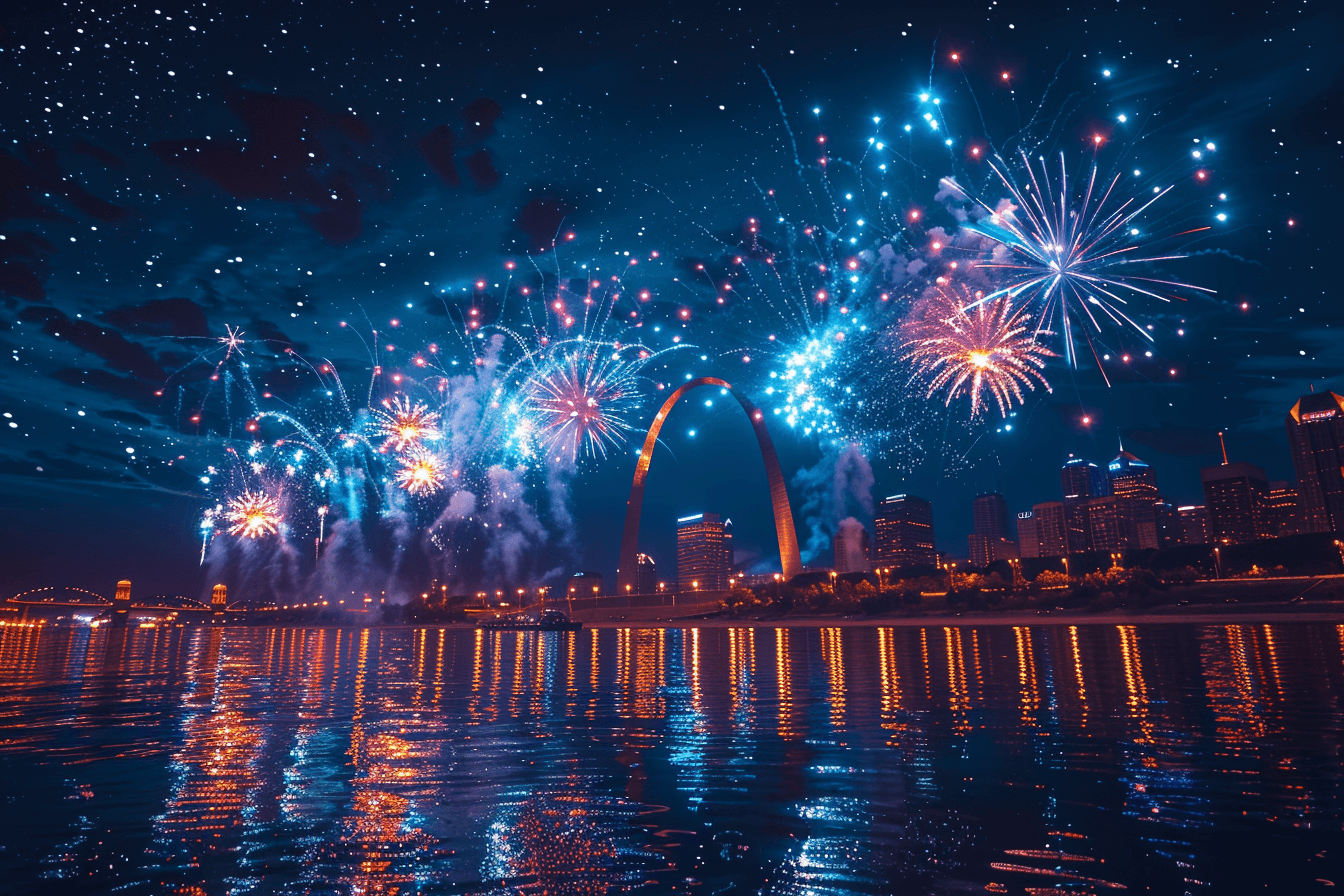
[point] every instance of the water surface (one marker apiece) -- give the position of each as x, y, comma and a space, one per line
1043, 759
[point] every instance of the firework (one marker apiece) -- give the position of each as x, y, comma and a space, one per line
578, 400
253, 515
421, 472
406, 424
1069, 244
974, 346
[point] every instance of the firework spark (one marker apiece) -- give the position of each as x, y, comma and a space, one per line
253, 515
421, 472
1068, 242
978, 347
406, 424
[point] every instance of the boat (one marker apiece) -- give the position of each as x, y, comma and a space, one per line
540, 621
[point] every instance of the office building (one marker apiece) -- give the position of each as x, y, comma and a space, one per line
1051, 533
904, 526
1080, 480
1107, 524
852, 547
703, 553
1134, 484
1194, 524
1237, 496
1028, 542
586, 584
1285, 509
989, 516
646, 574
1316, 436
1168, 524
985, 549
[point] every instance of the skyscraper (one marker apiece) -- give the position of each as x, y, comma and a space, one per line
1028, 540
1051, 534
1237, 495
646, 574
904, 526
990, 532
1194, 524
1080, 480
1169, 531
1134, 485
702, 553
1316, 435
852, 547
1285, 509
989, 515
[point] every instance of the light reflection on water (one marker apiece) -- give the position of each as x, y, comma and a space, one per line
1072, 759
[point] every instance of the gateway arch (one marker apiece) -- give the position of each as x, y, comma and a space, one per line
790, 562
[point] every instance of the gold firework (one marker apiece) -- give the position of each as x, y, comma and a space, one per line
976, 347
253, 515
406, 424
421, 472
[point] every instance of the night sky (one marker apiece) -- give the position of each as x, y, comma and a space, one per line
168, 171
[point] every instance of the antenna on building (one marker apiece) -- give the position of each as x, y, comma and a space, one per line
1224, 444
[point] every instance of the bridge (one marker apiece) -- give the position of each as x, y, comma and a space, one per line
119, 608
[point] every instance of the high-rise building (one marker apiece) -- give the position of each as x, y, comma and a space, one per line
1316, 435
989, 516
1051, 533
646, 574
1107, 525
1194, 524
219, 597
1080, 479
1169, 532
1237, 495
904, 526
1285, 509
985, 549
1134, 484
852, 547
1027, 538
989, 529
702, 553
586, 584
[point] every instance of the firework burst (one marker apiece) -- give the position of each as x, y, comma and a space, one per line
421, 473
406, 424
978, 347
253, 515
1069, 242
579, 401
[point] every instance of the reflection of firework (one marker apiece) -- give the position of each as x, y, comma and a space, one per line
579, 400
1068, 242
253, 515
977, 347
421, 472
406, 424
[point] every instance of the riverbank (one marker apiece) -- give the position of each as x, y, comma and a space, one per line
1236, 614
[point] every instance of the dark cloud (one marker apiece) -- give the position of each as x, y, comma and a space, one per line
161, 317
540, 220
1177, 441
128, 417
141, 393
437, 149
285, 158
115, 349
107, 159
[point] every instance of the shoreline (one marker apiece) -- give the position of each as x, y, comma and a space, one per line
1198, 615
